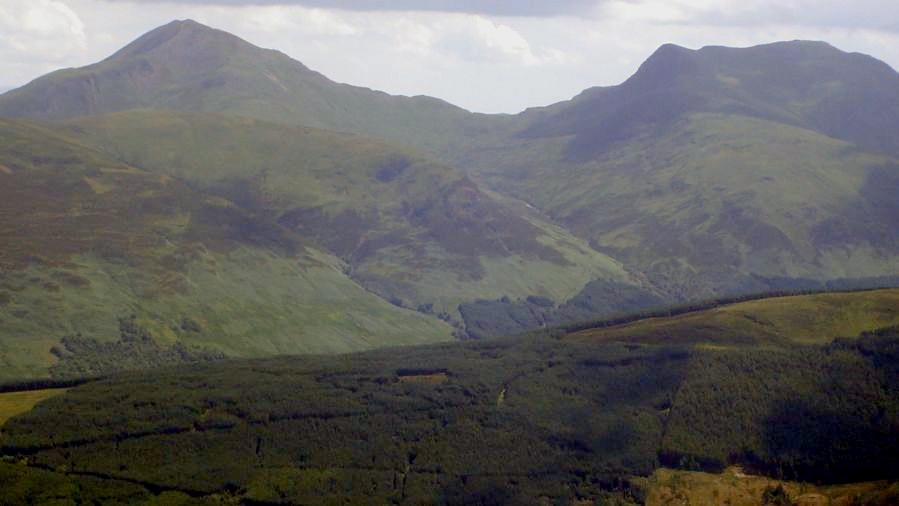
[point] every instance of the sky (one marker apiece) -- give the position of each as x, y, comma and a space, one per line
484, 55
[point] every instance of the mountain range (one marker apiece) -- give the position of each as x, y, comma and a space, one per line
234, 200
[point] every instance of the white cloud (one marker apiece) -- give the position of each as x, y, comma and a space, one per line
284, 19
880, 15
37, 36
327, 23
412, 37
504, 40
47, 27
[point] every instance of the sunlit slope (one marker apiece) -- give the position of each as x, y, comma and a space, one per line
667, 487
87, 240
15, 403
802, 319
417, 232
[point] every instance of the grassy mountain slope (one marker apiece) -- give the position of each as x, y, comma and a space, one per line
187, 66
497, 422
803, 319
88, 240
704, 169
710, 165
709, 172
419, 234
416, 232
713, 198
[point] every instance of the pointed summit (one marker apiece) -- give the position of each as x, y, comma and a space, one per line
181, 36
665, 65
174, 66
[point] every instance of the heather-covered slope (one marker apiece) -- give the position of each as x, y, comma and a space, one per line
88, 240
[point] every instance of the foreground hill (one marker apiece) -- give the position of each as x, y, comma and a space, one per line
88, 240
493, 422
715, 170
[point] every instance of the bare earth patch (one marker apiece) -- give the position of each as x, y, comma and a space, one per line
433, 379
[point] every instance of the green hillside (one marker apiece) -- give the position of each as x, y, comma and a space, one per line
88, 240
513, 421
416, 232
713, 201
713, 170
709, 172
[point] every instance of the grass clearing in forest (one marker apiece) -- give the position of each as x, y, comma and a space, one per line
668, 487
16, 403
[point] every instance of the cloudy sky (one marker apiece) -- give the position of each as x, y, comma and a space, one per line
484, 55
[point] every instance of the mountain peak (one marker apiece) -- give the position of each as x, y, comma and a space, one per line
786, 51
794, 45
664, 65
185, 34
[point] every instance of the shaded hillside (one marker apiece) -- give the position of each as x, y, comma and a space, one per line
805, 319
187, 66
88, 240
505, 422
598, 299
420, 234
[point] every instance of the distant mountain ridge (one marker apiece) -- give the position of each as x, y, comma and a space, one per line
848, 96
187, 66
